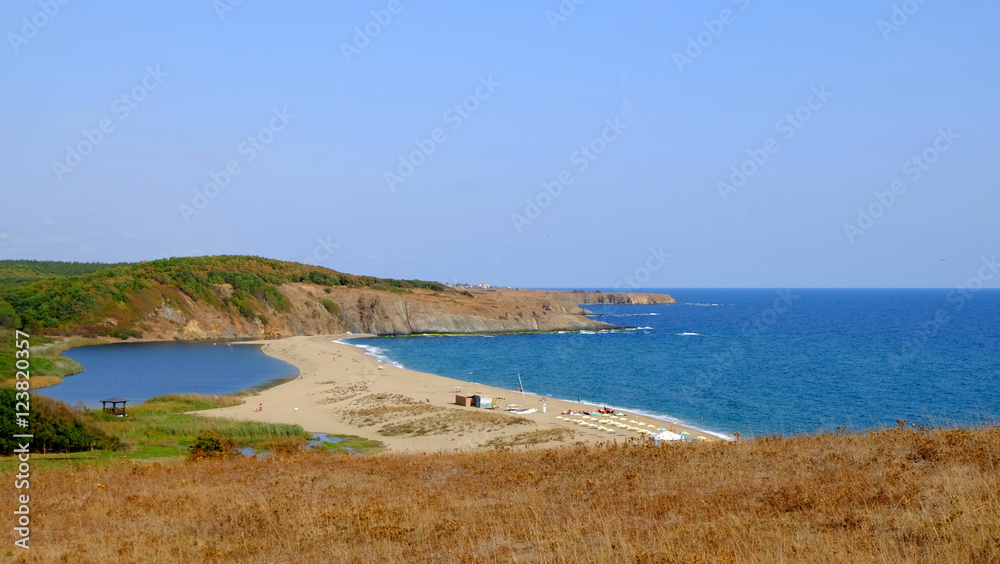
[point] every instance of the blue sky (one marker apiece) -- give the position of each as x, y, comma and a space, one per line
709, 144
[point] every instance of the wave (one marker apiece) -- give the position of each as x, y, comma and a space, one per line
654, 415
667, 418
686, 334
380, 354
620, 314
371, 350
703, 305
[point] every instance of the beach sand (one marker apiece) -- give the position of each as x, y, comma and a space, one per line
343, 391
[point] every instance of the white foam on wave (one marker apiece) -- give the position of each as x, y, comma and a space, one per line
687, 334
379, 353
659, 417
703, 305
667, 418
372, 351
620, 314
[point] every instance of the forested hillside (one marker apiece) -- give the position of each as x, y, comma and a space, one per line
96, 299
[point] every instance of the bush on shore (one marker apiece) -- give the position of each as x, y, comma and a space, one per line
55, 426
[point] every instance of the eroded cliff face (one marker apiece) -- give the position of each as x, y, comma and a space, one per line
318, 310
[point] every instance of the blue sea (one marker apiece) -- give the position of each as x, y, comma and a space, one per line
754, 361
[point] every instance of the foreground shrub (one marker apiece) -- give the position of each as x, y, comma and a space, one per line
212, 445
55, 425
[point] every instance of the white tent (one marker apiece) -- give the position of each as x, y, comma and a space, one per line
666, 436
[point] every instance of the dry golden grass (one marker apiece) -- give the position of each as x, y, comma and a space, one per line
380, 408
400, 415
893, 496
448, 421
530, 438
341, 392
367, 416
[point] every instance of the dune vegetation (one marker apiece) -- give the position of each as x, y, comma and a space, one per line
897, 495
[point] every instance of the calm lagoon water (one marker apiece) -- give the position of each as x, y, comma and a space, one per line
139, 371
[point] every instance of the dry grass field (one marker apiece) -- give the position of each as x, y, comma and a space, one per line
402, 415
899, 495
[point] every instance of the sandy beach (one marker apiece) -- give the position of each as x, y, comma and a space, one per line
343, 391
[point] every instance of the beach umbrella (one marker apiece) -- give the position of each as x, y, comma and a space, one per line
667, 436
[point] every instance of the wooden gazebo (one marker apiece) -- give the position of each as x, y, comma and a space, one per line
114, 409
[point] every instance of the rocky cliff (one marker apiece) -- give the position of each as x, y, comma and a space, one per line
232, 296
316, 310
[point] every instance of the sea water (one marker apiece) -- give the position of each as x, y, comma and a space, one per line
139, 371
753, 361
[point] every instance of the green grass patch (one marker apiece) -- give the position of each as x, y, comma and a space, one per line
180, 403
159, 430
165, 419
350, 443
48, 367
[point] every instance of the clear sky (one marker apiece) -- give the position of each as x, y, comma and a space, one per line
537, 144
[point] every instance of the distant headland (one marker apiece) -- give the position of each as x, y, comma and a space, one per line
240, 297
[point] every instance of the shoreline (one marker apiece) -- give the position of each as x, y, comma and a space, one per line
666, 419
344, 390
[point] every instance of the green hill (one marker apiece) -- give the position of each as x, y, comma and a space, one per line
13, 272
95, 299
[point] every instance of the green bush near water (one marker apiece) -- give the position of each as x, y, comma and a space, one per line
165, 417
54, 425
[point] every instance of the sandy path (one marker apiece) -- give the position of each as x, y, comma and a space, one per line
337, 377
